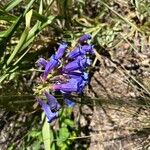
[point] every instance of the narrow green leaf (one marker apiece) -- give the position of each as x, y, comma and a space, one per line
12, 4
2, 34
6, 35
6, 16
49, 21
41, 7
23, 36
28, 18
11, 30
18, 46
2, 78
39, 17
16, 62
36, 30
46, 134
27, 43
28, 7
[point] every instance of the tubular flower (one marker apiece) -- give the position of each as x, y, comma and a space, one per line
85, 62
78, 51
51, 116
41, 62
75, 84
71, 77
84, 38
70, 86
88, 49
81, 51
61, 50
78, 64
69, 102
73, 74
53, 63
52, 102
83, 81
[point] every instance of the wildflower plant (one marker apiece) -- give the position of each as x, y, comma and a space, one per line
65, 72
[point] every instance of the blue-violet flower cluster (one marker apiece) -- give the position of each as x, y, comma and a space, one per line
66, 74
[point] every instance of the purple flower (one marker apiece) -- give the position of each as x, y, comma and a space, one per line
85, 62
53, 63
61, 50
70, 77
75, 84
77, 52
41, 62
49, 114
84, 38
73, 73
67, 99
71, 86
52, 102
81, 50
88, 48
69, 102
83, 80
84, 76
79, 64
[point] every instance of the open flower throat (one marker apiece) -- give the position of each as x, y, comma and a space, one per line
65, 72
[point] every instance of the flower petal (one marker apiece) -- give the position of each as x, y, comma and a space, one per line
79, 64
88, 48
71, 86
74, 65
52, 102
41, 62
69, 102
76, 52
49, 114
53, 63
84, 38
61, 50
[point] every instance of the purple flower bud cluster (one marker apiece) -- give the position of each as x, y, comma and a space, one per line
68, 74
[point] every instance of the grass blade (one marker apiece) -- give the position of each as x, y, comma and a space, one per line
19, 45
23, 37
11, 5
12, 29
46, 134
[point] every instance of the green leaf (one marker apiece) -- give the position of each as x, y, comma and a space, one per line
69, 122
47, 134
2, 78
28, 18
2, 34
36, 145
12, 29
6, 35
19, 59
35, 30
41, 7
34, 133
23, 36
60, 143
63, 137
28, 7
39, 17
49, 21
63, 134
12, 4
18, 46
6, 16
